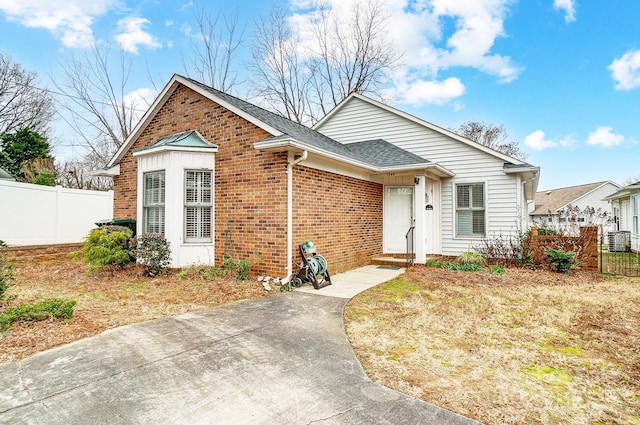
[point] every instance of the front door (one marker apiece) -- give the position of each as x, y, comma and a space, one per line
398, 218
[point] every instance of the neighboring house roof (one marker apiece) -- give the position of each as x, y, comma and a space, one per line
553, 200
5, 176
624, 192
287, 133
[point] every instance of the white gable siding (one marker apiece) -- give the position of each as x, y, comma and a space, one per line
359, 121
594, 198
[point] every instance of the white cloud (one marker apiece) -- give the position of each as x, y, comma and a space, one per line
433, 35
69, 20
626, 70
130, 34
569, 8
139, 100
537, 142
436, 92
604, 137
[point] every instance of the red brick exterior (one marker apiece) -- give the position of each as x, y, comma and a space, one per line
585, 246
342, 215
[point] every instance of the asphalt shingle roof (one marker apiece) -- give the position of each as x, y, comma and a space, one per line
378, 153
554, 199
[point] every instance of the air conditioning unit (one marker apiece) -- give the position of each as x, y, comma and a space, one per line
620, 241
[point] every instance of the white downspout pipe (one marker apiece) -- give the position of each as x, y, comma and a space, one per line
292, 162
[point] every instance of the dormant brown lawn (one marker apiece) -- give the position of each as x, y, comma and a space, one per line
108, 300
532, 347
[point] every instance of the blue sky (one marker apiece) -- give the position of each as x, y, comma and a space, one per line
563, 76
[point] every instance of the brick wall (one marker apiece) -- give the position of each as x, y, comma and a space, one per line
585, 246
342, 215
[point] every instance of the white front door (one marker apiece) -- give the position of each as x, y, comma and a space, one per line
398, 218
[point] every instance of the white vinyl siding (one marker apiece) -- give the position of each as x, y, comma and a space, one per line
470, 212
197, 206
635, 212
154, 197
359, 121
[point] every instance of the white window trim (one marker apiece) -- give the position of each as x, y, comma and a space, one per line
145, 206
197, 240
635, 213
454, 194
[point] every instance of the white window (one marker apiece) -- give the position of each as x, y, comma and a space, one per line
153, 202
198, 206
635, 212
470, 210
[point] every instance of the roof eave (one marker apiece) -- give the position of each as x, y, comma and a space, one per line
169, 148
281, 145
106, 172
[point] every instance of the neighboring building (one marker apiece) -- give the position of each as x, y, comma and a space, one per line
625, 209
222, 177
550, 203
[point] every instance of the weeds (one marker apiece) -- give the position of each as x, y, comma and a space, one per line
41, 310
6, 271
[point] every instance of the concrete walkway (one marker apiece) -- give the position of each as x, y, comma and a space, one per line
283, 359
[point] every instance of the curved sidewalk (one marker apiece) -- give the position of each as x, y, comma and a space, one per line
284, 359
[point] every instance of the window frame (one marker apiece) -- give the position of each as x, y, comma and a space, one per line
159, 206
635, 213
473, 209
202, 205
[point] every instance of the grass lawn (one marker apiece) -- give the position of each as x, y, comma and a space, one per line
526, 347
108, 300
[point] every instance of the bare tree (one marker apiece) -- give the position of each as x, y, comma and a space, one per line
95, 98
631, 180
304, 79
280, 77
215, 48
22, 103
491, 136
351, 58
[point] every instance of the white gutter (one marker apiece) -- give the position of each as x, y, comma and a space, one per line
292, 162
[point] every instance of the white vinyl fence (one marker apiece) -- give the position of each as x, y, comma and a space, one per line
32, 215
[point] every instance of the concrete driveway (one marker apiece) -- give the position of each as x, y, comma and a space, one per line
278, 360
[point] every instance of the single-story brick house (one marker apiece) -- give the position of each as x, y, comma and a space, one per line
221, 176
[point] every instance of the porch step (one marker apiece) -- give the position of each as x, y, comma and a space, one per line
389, 261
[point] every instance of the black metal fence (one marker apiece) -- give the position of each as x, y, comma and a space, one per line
620, 254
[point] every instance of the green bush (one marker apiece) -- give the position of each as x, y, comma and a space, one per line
153, 253
471, 257
497, 270
107, 246
560, 260
53, 308
434, 263
241, 267
6, 271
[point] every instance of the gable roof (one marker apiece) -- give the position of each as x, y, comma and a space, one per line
553, 200
624, 192
286, 133
190, 140
419, 121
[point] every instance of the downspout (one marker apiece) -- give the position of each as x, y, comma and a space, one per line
292, 162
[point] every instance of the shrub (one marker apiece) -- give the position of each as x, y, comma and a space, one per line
509, 249
241, 267
53, 308
153, 253
560, 260
433, 263
6, 271
472, 257
497, 270
107, 246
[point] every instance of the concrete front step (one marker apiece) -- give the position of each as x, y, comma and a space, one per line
389, 261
